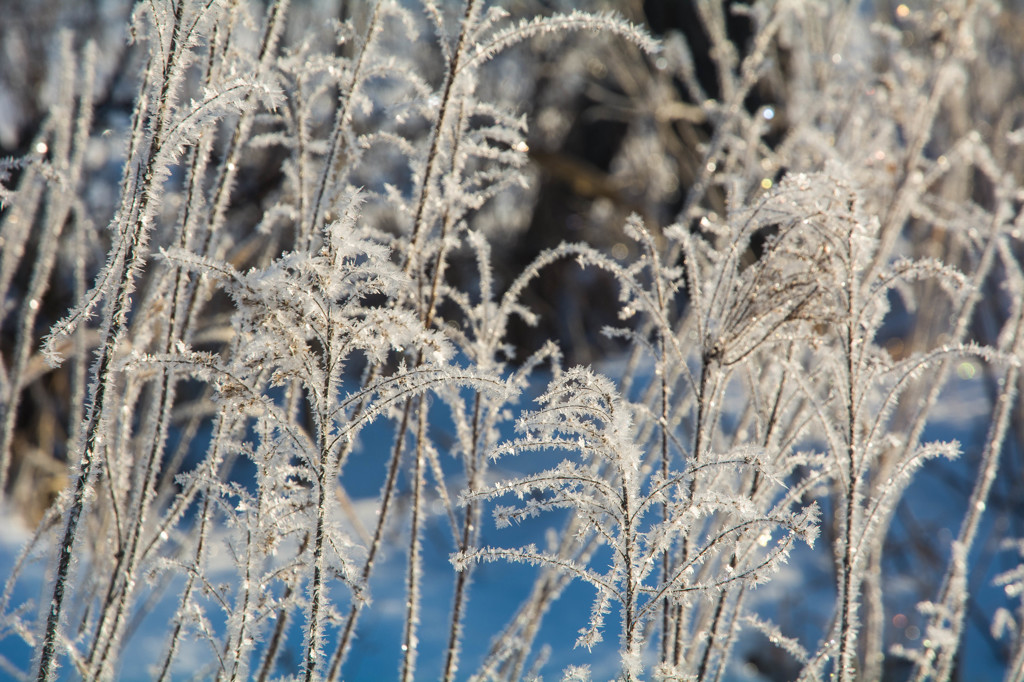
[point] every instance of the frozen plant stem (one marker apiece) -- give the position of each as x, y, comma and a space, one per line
348, 632
469, 525
419, 229
205, 514
937, 661
342, 120
135, 218
316, 590
847, 631
413, 576
704, 394
70, 135
723, 625
854, 347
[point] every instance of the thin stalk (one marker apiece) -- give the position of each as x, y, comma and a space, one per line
720, 621
324, 476
698, 447
378, 534
112, 616
730, 636
346, 96
409, 640
137, 208
280, 623
945, 77
314, 626
435, 135
413, 577
68, 155
629, 602
469, 525
953, 594
716, 625
120, 587
848, 601
237, 651
186, 595
923, 406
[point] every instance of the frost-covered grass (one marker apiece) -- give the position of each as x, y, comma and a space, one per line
294, 309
